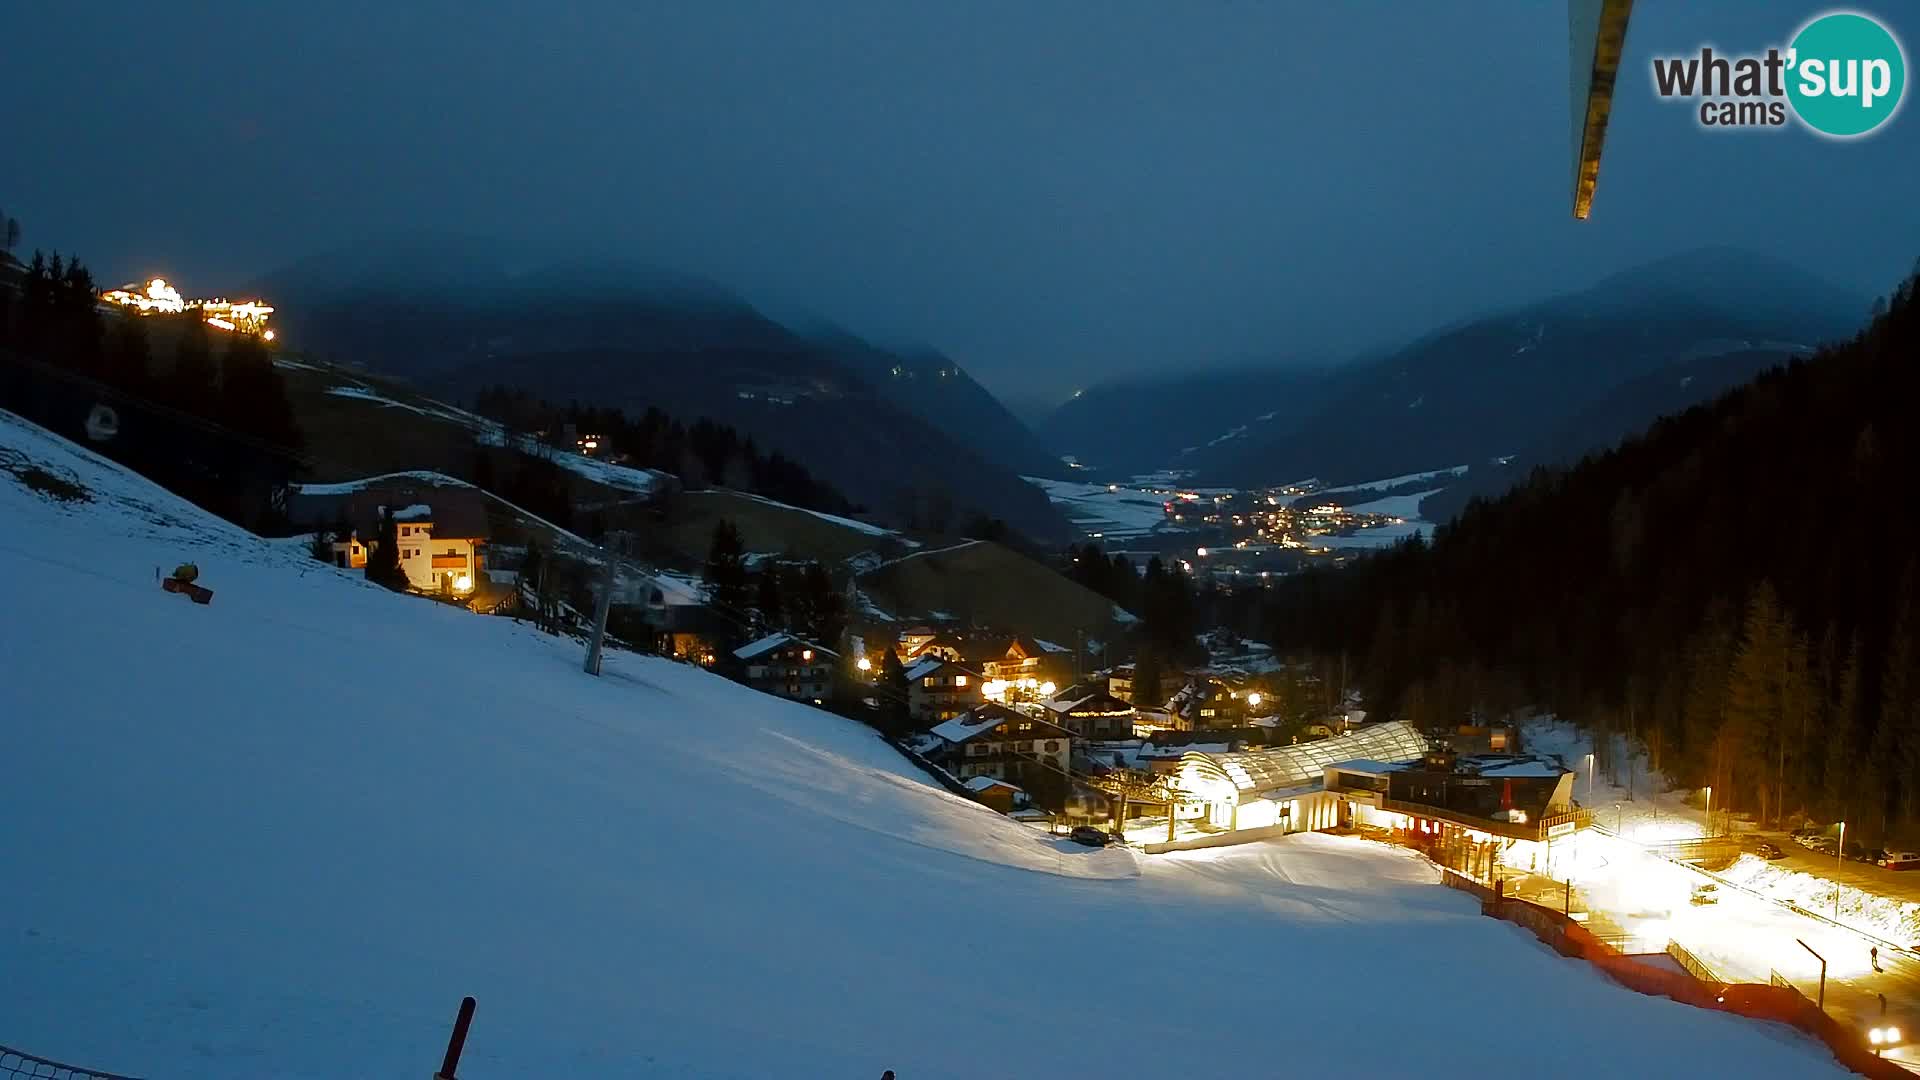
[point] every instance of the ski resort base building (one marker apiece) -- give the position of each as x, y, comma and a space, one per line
1463, 811
1247, 795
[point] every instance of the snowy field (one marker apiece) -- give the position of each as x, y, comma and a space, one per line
1400, 506
1377, 536
1395, 481
281, 835
1118, 514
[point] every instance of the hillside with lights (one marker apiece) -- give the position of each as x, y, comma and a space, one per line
285, 831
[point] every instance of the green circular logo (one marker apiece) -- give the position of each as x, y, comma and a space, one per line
1846, 74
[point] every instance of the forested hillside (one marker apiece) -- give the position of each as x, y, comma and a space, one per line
1739, 588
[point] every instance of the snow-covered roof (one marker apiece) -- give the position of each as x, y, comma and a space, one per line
1287, 767
679, 591
982, 783
925, 666
416, 512
1050, 646
1368, 765
755, 648
771, 642
1164, 752
1527, 768
984, 718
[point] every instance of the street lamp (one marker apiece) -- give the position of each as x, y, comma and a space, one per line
1839, 852
1709, 809
1823, 973
1589, 777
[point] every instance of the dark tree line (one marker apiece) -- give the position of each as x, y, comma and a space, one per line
1737, 591
796, 598
1172, 610
703, 454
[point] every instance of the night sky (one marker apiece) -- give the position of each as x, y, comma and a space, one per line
1054, 192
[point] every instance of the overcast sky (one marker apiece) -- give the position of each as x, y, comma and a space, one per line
1052, 191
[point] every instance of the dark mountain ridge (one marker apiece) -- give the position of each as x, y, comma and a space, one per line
1469, 392
1735, 589
623, 335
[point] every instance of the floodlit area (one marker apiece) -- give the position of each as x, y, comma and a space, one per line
1751, 922
282, 834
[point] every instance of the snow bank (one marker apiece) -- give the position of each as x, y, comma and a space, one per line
284, 833
1894, 920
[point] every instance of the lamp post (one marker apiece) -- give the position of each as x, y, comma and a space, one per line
1709, 809
1589, 777
1839, 852
1823, 973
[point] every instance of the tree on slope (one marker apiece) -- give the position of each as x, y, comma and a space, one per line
728, 589
769, 613
383, 562
891, 690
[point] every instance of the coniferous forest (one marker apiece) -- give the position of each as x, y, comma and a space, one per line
1736, 591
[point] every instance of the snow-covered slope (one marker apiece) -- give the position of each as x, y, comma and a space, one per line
281, 835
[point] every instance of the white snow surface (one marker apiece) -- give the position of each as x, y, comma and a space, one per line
1120, 514
1396, 481
282, 834
1400, 506
845, 522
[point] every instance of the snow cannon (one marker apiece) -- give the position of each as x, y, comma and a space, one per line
182, 581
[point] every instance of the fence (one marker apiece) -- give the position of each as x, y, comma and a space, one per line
1781, 1001
19, 1064
1454, 879
1693, 964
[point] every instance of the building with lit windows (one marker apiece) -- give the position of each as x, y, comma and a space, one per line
1005, 744
441, 531
1092, 714
939, 689
785, 666
1027, 665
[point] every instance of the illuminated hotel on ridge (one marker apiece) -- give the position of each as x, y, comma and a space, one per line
158, 297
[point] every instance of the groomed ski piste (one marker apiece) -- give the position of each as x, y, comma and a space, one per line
283, 834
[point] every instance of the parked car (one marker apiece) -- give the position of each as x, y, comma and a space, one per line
1090, 836
1706, 894
1767, 851
1902, 860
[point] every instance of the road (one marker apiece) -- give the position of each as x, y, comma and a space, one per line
1742, 936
